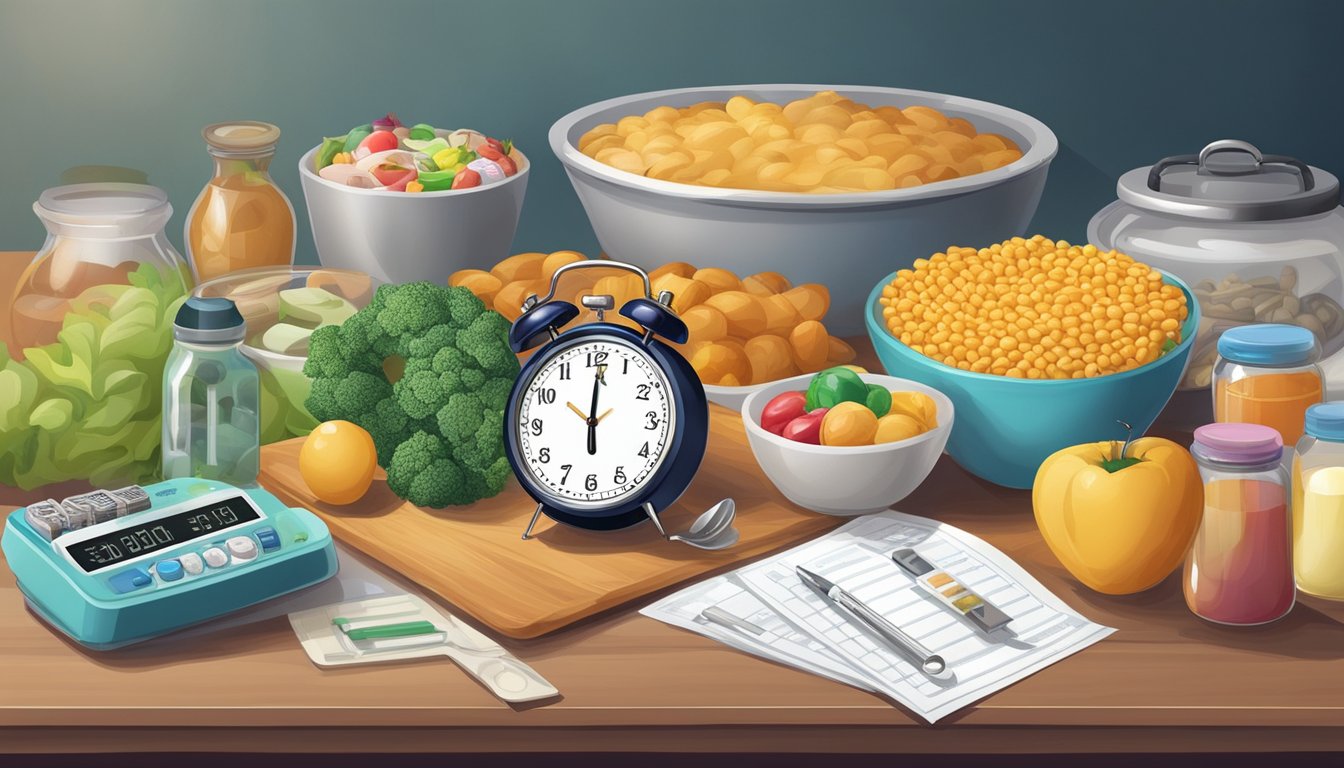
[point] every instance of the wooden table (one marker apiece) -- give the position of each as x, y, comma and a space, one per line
1165, 682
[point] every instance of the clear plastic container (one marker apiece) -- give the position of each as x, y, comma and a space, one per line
1318, 503
241, 218
1267, 374
97, 236
1239, 569
1259, 238
278, 330
211, 397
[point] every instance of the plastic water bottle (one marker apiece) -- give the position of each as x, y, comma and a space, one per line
211, 397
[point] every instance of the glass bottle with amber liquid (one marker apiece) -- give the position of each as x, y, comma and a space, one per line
241, 219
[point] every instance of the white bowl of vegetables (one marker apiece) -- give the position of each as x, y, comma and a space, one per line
405, 203
282, 306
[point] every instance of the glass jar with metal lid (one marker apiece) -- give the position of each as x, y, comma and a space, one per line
1318, 503
1258, 237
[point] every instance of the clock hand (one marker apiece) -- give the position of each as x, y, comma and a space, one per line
592, 422
604, 414
576, 410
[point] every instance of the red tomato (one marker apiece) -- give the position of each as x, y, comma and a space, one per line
466, 178
394, 176
507, 164
782, 409
378, 141
805, 428
489, 151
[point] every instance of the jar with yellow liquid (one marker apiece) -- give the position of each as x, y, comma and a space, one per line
241, 219
1318, 503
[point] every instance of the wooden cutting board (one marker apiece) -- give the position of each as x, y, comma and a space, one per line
475, 558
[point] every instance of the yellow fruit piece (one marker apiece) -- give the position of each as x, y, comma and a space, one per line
917, 406
744, 312
720, 359
705, 323
848, 424
780, 316
337, 461
771, 358
509, 301
839, 352
809, 345
557, 260
686, 292
774, 281
897, 426
479, 282
811, 300
678, 268
522, 266
719, 280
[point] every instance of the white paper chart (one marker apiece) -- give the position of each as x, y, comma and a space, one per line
802, 629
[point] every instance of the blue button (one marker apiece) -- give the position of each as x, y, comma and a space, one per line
129, 581
169, 570
269, 539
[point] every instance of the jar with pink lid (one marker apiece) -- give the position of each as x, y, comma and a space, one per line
1240, 568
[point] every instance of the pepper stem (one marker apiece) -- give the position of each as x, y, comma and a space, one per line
1129, 438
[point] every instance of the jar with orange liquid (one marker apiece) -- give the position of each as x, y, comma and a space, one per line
241, 219
1239, 569
1267, 374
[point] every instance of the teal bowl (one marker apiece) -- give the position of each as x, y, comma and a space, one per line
1006, 427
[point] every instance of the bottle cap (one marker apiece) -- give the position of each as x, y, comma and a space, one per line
241, 136
1326, 421
1246, 444
1268, 344
209, 321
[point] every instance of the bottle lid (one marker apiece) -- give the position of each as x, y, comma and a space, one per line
209, 321
241, 136
1268, 344
115, 207
1245, 444
1326, 421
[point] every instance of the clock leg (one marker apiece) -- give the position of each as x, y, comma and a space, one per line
528, 533
653, 515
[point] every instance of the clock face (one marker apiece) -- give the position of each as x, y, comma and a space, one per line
595, 422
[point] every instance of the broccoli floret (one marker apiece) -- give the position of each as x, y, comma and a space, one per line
438, 429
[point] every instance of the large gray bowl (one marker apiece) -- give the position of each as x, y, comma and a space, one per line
399, 237
846, 241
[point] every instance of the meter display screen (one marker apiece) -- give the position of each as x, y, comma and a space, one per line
128, 543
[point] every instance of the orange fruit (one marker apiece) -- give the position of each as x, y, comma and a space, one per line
337, 462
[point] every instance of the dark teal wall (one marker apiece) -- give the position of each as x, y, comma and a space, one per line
131, 82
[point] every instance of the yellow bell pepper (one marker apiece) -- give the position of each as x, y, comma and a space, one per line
1120, 518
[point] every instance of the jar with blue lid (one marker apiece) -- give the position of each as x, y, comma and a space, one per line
1318, 503
211, 397
1267, 374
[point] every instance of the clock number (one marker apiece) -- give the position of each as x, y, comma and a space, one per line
652, 420
590, 483
620, 475
643, 391
565, 477
564, 371
544, 455
644, 451
596, 358
536, 427
546, 395
625, 365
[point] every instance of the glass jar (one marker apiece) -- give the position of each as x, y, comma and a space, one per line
241, 219
211, 397
1239, 569
1259, 238
1318, 503
1267, 374
98, 236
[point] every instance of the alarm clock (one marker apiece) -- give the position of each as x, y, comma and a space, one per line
605, 425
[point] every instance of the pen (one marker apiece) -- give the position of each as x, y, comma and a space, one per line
931, 663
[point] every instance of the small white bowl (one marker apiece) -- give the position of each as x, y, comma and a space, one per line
731, 398
401, 237
845, 480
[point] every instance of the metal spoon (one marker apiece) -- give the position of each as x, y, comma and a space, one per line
713, 529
